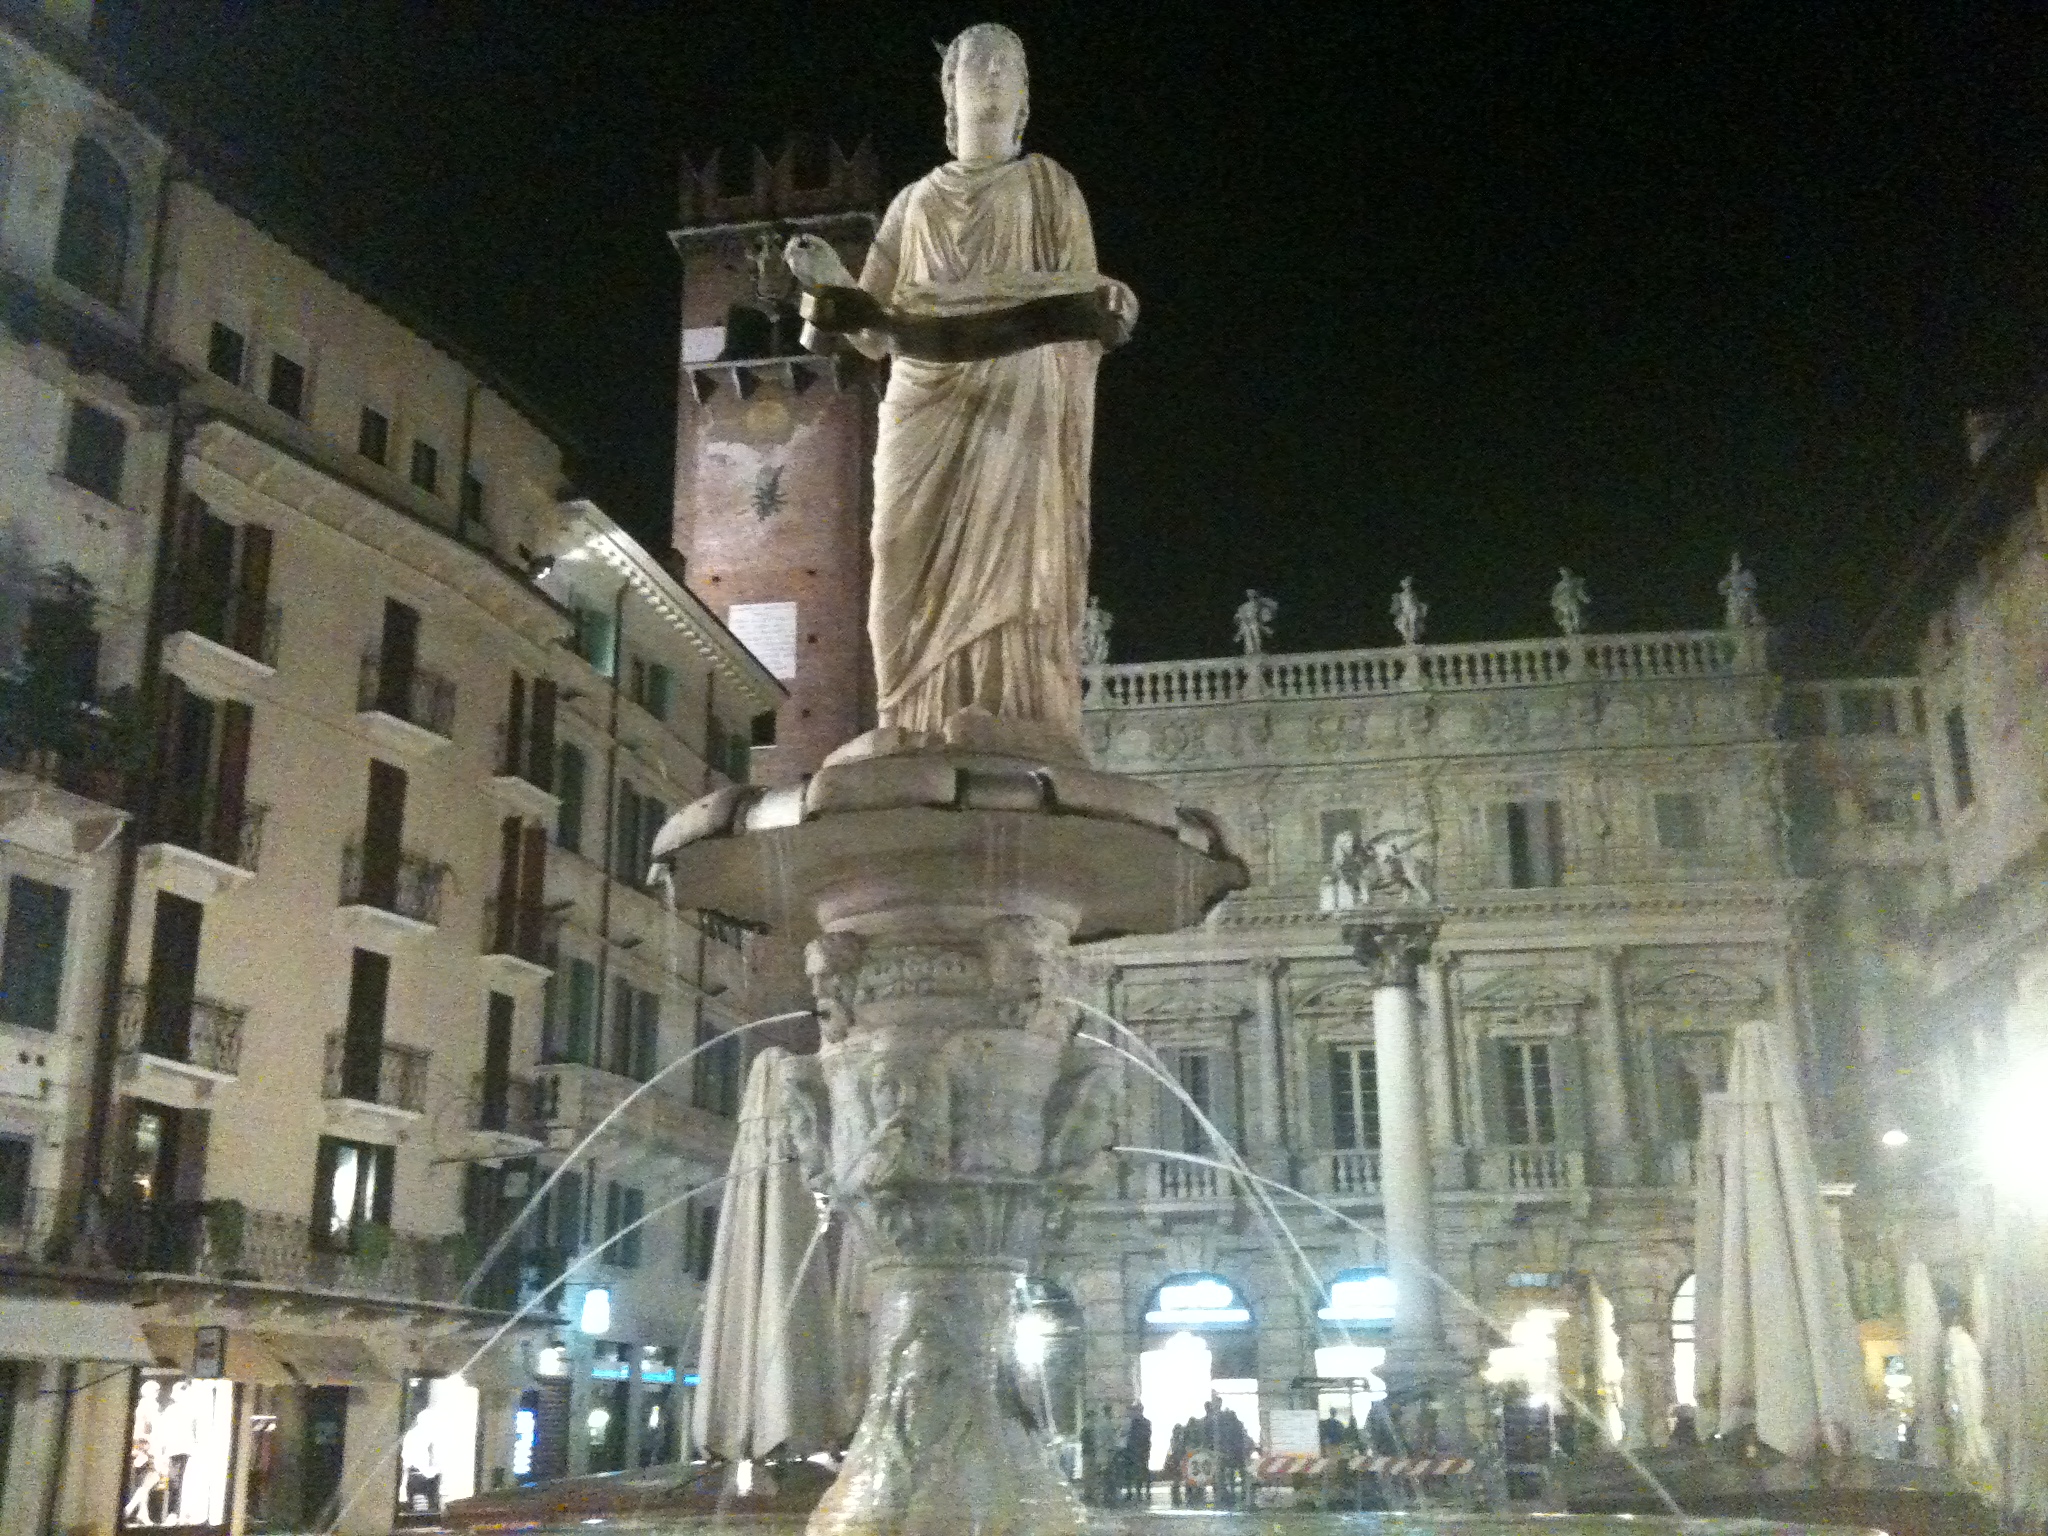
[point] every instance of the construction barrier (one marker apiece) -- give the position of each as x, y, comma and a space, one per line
1273, 1469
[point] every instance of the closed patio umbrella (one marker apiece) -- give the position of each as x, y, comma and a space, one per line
1777, 1341
2017, 1365
767, 1368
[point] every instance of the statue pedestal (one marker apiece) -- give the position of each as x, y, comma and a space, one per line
940, 890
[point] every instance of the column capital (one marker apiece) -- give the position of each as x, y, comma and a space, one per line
1266, 967
1393, 946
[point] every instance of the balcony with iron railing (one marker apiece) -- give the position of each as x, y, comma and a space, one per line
402, 895
411, 711
518, 930
1426, 668
203, 843
387, 1077
207, 1034
505, 1118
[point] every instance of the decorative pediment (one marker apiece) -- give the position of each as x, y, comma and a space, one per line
1697, 998
1526, 1002
1185, 1002
1337, 997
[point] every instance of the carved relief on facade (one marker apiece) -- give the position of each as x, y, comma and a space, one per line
1519, 1003
1334, 1008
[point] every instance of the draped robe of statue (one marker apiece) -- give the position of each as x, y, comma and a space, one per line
980, 536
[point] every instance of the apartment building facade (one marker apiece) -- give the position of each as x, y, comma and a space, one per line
327, 931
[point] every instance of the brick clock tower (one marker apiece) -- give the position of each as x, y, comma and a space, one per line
773, 444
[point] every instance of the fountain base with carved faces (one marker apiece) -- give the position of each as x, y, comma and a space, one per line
940, 889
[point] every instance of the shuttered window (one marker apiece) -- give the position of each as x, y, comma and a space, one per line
1528, 1096
32, 952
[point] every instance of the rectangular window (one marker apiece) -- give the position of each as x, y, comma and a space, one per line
1354, 1098
351, 1190
623, 1205
626, 835
383, 836
1680, 826
426, 467
569, 786
594, 638
173, 976
373, 436
362, 1040
225, 350
652, 687
494, 1092
715, 1081
577, 1029
32, 953
472, 502
562, 1216
1195, 1072
700, 1239
287, 385
1959, 757
1531, 840
94, 450
1527, 1100
16, 1155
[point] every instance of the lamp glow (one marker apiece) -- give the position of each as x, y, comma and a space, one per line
596, 1316
2012, 1137
1034, 1332
1895, 1138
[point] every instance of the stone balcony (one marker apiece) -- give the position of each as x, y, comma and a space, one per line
374, 1095
514, 943
178, 1055
1534, 1173
386, 908
228, 652
1428, 668
212, 851
505, 1119
409, 714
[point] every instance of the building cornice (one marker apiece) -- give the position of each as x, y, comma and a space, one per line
227, 457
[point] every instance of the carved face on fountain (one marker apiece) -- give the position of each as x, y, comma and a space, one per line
988, 94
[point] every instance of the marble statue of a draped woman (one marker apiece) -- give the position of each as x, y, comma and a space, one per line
980, 534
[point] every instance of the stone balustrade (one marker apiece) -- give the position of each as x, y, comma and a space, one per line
1535, 1170
1185, 1181
1355, 1172
1423, 668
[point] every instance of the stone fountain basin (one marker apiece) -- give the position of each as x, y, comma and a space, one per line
1261, 1522
947, 828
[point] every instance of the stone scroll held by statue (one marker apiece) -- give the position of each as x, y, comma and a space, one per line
981, 286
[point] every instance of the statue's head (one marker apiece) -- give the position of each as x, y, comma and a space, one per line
988, 93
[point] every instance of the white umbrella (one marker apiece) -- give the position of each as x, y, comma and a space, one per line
767, 1368
1777, 1341
2017, 1357
1923, 1358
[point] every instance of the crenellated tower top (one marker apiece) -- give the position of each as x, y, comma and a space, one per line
811, 176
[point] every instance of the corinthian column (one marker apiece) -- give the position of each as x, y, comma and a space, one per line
1392, 950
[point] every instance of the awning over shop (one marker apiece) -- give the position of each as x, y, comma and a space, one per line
328, 1361
63, 1328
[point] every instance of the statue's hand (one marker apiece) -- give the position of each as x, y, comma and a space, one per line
1122, 304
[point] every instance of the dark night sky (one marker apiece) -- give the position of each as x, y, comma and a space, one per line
1467, 291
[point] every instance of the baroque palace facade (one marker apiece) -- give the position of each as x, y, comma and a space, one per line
1610, 825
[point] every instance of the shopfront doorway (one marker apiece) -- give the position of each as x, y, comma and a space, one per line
1200, 1343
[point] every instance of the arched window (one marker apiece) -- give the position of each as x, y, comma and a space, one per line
1197, 1301
1685, 1342
92, 239
1361, 1296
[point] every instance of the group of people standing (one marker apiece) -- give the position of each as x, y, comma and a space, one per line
1208, 1459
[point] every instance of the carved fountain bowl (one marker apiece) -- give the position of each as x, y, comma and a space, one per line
944, 829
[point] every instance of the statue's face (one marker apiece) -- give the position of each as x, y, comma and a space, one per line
988, 97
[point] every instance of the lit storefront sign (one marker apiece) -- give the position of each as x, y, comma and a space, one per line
1197, 1301
181, 1444
1360, 1296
